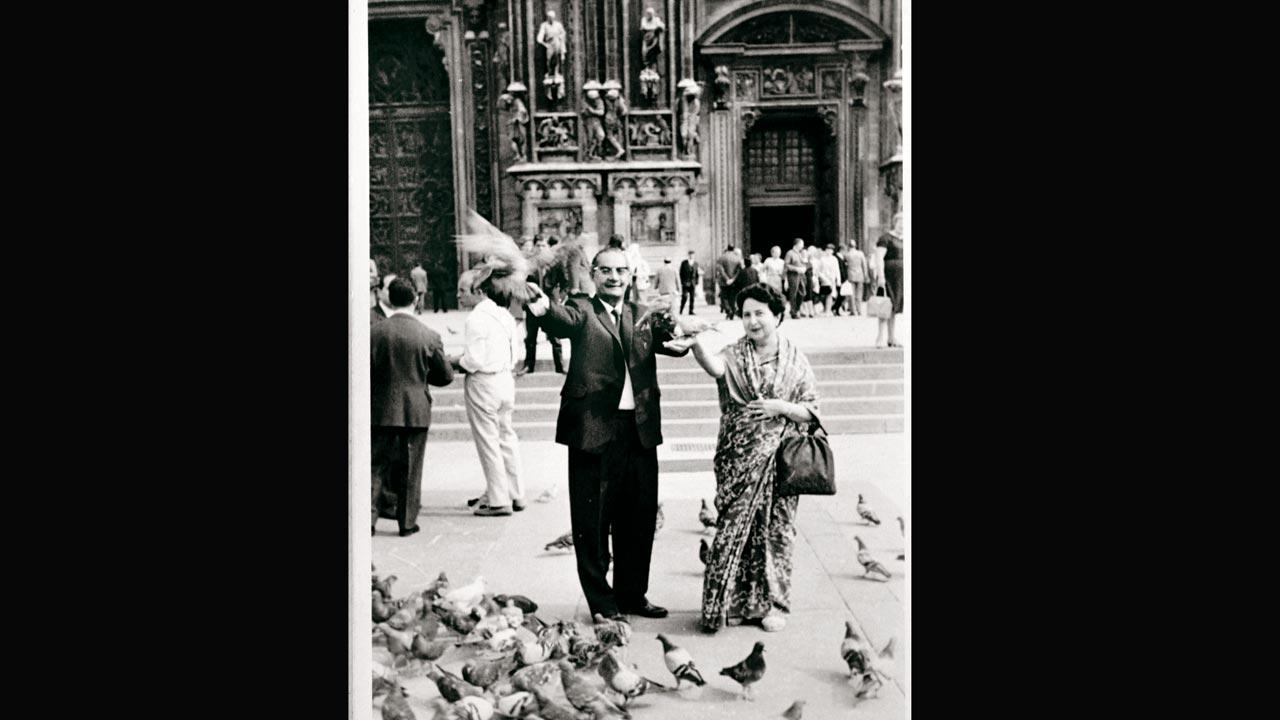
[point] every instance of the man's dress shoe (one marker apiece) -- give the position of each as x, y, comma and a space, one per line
648, 610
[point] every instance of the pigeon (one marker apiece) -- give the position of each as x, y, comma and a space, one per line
552, 710
611, 633
854, 651
680, 663
460, 622
877, 670
451, 687
429, 625
584, 696
398, 642
437, 587
869, 564
423, 649
402, 618
384, 587
450, 329
704, 551
468, 595
528, 678
795, 712
527, 606
517, 704
548, 495
396, 707
483, 673
749, 671
622, 679
866, 513
383, 679
583, 651
513, 615
659, 520
564, 542
474, 707
532, 652
707, 516
902, 525
381, 611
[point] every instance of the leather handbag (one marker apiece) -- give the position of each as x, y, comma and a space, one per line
805, 464
880, 306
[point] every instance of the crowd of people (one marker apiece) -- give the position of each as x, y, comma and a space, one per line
610, 409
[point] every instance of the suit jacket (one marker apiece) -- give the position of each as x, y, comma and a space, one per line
407, 356
728, 266
593, 385
688, 273
377, 310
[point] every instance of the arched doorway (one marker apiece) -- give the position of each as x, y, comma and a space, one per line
788, 181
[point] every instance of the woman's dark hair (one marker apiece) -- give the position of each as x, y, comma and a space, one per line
760, 292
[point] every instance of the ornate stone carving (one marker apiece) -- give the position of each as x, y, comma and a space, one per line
790, 28
553, 38
653, 30
749, 118
592, 140
502, 55
745, 86
648, 131
894, 87
830, 116
858, 79
792, 80
690, 118
830, 84
512, 102
556, 133
723, 85
615, 113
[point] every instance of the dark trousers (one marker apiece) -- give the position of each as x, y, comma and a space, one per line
614, 492
532, 323
397, 455
687, 291
795, 288
438, 297
728, 300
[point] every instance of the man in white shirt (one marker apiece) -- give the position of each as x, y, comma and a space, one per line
490, 356
828, 277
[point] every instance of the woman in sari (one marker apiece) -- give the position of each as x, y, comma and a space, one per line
767, 392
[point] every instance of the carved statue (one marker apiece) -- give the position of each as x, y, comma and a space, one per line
615, 112
551, 35
553, 134
511, 102
689, 118
651, 54
723, 84
592, 122
502, 54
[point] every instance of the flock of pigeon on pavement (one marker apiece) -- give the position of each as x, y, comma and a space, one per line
515, 655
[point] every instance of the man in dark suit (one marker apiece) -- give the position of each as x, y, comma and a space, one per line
609, 418
382, 302
727, 269
406, 357
689, 272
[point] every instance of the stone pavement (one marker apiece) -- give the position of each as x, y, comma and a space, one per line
827, 582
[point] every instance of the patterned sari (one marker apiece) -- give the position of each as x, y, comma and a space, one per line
749, 570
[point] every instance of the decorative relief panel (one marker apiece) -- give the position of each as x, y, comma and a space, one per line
649, 130
830, 84
745, 86
557, 133
653, 223
791, 80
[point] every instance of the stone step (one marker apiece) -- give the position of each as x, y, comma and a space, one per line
691, 374
678, 409
453, 394
682, 427
857, 356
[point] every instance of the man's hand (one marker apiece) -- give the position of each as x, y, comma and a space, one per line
539, 304
680, 344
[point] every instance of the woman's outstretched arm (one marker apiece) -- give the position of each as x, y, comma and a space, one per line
713, 364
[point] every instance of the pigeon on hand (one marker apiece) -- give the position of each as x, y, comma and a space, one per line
869, 564
584, 696
659, 520
795, 712
396, 707
548, 495
749, 671
564, 542
704, 551
707, 516
866, 513
451, 687
384, 587
611, 633
680, 663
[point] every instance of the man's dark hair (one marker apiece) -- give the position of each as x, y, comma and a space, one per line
502, 298
766, 294
691, 252
616, 241
728, 248
595, 260
797, 240
401, 293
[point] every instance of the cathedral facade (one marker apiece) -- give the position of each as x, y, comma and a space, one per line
678, 124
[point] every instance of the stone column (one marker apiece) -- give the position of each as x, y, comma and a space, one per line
724, 171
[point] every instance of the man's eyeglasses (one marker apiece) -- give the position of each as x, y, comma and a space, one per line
624, 270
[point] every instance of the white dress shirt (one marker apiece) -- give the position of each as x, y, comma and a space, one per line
491, 344
628, 400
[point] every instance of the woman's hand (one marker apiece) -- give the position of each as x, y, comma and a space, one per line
761, 409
